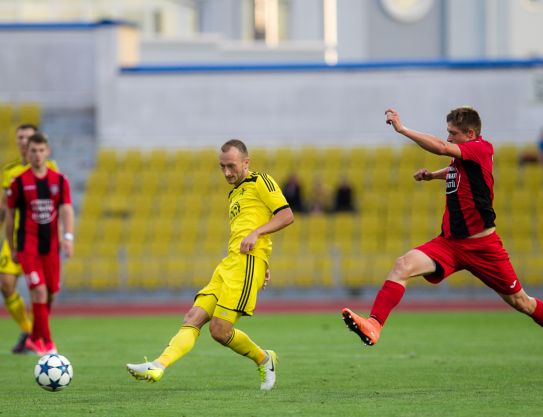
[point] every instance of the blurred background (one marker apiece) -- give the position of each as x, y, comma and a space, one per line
138, 95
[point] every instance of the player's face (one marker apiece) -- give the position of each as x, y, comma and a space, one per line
234, 166
22, 139
37, 154
456, 136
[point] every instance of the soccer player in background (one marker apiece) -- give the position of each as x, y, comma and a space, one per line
41, 195
468, 238
257, 209
10, 271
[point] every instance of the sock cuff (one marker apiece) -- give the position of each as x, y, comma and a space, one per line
538, 307
188, 326
231, 337
393, 285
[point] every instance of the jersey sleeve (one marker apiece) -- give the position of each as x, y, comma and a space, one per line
6, 176
475, 150
271, 193
51, 163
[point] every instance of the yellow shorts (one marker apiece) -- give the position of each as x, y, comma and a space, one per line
7, 266
235, 285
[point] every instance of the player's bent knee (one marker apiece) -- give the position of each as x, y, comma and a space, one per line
196, 317
220, 332
400, 270
8, 284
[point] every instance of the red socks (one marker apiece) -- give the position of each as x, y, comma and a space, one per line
537, 315
40, 328
387, 298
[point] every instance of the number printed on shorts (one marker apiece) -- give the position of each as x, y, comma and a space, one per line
33, 278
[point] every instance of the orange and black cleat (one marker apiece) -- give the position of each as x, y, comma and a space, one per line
367, 329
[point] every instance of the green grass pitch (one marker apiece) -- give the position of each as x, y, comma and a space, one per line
426, 364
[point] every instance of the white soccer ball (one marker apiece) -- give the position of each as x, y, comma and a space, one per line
53, 372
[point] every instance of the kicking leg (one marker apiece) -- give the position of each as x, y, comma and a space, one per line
530, 306
412, 264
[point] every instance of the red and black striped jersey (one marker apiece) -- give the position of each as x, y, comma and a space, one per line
469, 188
38, 201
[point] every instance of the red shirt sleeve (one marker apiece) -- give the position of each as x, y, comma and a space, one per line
475, 150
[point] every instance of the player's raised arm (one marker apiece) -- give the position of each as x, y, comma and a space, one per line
426, 141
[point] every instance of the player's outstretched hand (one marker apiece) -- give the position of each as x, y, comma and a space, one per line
393, 118
423, 175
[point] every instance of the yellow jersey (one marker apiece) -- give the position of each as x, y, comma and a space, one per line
253, 203
15, 168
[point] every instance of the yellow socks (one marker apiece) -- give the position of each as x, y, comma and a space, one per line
242, 344
181, 344
16, 307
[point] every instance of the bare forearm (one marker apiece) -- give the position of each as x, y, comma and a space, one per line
67, 217
440, 174
281, 220
426, 141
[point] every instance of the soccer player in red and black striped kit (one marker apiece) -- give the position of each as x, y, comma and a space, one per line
41, 195
468, 238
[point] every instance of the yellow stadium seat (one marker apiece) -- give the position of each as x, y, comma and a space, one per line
112, 229
29, 113
158, 160
522, 245
74, 273
135, 248
91, 206
148, 182
107, 249
141, 205
131, 160
86, 229
333, 157
343, 225
533, 270
104, 273
384, 154
355, 271
532, 178
506, 154
324, 274
98, 183
107, 161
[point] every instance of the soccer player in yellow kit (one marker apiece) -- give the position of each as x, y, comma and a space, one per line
9, 270
257, 209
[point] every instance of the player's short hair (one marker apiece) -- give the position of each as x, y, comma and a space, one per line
465, 118
38, 137
235, 143
27, 126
